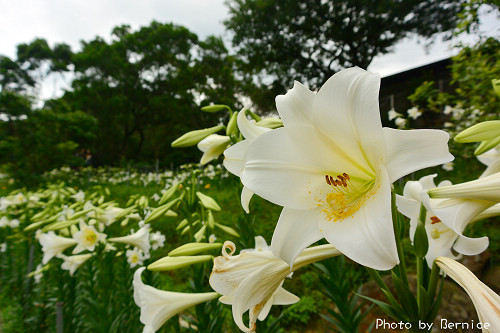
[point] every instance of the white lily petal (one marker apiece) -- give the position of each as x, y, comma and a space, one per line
246, 196
284, 297
412, 150
367, 237
296, 229
295, 107
471, 246
346, 108
407, 207
248, 128
491, 169
234, 160
285, 170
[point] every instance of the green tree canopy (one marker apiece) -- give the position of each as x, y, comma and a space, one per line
286, 40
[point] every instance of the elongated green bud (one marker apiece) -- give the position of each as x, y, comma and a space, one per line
496, 86
198, 236
210, 220
480, 132
232, 125
208, 202
172, 263
190, 249
270, 122
59, 225
487, 145
182, 224
193, 137
215, 108
420, 241
168, 194
227, 230
160, 211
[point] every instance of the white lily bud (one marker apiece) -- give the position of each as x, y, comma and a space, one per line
485, 188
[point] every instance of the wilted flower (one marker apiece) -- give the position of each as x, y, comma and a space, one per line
53, 245
486, 301
253, 279
331, 167
158, 306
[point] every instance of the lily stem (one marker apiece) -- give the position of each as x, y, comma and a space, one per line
397, 234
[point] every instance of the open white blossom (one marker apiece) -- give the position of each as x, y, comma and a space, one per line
158, 306
138, 239
445, 220
72, 263
414, 112
53, 245
331, 167
87, 238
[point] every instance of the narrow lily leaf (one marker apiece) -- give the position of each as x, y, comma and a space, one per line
406, 297
389, 310
208, 202
190, 249
172, 263
424, 302
395, 305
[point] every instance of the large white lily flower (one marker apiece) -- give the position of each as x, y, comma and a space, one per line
235, 155
87, 238
53, 245
445, 220
72, 263
486, 301
253, 279
212, 146
331, 167
158, 306
139, 239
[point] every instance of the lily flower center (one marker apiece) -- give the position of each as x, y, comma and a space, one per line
347, 196
90, 236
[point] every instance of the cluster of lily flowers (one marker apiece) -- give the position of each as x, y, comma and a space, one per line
120, 176
331, 166
60, 218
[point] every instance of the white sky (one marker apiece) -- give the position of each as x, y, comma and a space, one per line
70, 21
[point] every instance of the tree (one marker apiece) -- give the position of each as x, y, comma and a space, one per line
308, 40
145, 88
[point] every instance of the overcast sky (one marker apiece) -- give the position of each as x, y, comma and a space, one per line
71, 21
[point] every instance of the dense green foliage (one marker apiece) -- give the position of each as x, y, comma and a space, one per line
308, 41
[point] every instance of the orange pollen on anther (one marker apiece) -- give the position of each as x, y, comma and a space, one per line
346, 176
342, 180
328, 180
435, 219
